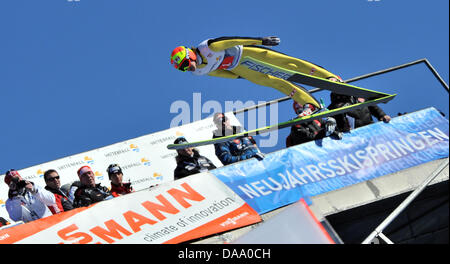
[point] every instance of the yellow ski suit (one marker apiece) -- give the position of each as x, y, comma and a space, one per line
222, 57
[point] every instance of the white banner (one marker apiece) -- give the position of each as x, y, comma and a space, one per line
182, 210
145, 160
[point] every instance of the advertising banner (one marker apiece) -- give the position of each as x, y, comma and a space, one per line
325, 165
145, 161
182, 210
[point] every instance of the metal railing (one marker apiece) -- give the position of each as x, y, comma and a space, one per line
282, 99
378, 232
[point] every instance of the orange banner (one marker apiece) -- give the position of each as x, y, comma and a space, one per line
186, 209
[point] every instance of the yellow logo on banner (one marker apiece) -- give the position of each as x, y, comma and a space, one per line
145, 161
134, 148
179, 134
98, 175
88, 160
157, 176
2, 202
40, 173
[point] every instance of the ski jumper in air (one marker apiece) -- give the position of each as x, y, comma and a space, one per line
224, 57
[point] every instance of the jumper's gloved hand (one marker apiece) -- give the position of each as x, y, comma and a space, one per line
270, 41
330, 126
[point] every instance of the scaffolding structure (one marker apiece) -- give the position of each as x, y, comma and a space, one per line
365, 76
378, 232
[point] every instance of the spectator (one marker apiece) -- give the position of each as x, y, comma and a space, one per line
86, 191
235, 150
189, 161
356, 117
53, 185
312, 130
115, 175
26, 201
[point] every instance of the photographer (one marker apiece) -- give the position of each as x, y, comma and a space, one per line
26, 201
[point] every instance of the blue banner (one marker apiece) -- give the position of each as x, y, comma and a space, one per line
320, 166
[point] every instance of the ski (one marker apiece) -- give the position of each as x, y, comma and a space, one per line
373, 98
289, 123
301, 78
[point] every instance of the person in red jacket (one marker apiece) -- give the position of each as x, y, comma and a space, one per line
53, 185
312, 130
115, 175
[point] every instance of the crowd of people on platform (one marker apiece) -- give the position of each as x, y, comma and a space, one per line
28, 201
189, 161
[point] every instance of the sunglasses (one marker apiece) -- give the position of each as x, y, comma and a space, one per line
53, 178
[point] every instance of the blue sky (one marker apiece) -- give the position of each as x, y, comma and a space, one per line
76, 76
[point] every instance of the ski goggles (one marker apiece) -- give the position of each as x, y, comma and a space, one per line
182, 58
184, 65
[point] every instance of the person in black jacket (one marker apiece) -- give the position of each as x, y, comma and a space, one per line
86, 191
189, 161
357, 117
309, 131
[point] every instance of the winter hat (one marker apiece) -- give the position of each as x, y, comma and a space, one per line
298, 108
114, 168
180, 140
10, 174
83, 170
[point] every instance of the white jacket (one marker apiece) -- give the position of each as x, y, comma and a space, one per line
31, 205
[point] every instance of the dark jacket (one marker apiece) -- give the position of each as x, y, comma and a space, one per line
191, 165
306, 132
235, 150
362, 116
62, 203
85, 196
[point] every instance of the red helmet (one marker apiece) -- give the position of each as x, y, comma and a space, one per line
303, 110
182, 57
298, 108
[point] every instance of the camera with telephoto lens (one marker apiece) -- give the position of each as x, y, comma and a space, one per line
21, 184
